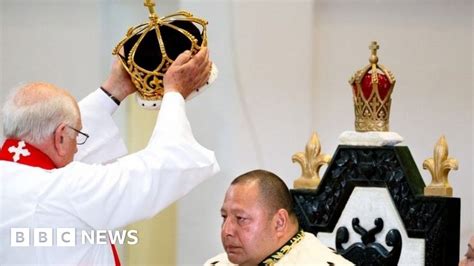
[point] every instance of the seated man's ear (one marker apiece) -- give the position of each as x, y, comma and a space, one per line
281, 220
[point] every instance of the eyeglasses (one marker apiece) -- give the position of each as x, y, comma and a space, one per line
81, 136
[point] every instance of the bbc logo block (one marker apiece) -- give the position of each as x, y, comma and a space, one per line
42, 237
65, 237
20, 237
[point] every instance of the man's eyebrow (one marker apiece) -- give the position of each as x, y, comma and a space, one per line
233, 211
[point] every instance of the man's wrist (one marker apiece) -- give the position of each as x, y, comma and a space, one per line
117, 101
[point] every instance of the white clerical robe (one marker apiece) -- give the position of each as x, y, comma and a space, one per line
93, 196
309, 251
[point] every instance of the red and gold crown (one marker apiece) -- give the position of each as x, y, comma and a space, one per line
372, 87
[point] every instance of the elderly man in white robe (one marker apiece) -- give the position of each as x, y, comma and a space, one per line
259, 227
41, 186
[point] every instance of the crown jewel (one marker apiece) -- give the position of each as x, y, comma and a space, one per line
372, 88
150, 48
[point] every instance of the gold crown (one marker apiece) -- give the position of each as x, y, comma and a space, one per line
372, 87
150, 48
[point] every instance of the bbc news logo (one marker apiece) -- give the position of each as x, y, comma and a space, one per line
67, 237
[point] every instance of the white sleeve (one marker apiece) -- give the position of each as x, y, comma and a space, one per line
104, 143
139, 185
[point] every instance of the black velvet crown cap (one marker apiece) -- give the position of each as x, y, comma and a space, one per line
149, 56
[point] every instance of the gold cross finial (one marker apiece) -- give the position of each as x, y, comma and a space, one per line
151, 8
373, 57
374, 47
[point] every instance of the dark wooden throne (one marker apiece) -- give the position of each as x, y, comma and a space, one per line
370, 207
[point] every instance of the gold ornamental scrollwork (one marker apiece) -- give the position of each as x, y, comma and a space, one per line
311, 162
439, 167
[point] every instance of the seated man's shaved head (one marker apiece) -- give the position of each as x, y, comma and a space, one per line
273, 191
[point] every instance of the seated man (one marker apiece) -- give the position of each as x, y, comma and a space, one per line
259, 226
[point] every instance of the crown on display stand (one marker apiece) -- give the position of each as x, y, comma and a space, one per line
372, 88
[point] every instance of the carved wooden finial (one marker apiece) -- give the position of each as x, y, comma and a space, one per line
439, 167
310, 161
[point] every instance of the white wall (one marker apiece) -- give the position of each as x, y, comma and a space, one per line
51, 41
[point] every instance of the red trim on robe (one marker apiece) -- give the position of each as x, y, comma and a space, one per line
35, 157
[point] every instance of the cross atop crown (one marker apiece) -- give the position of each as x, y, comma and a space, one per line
373, 57
151, 8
